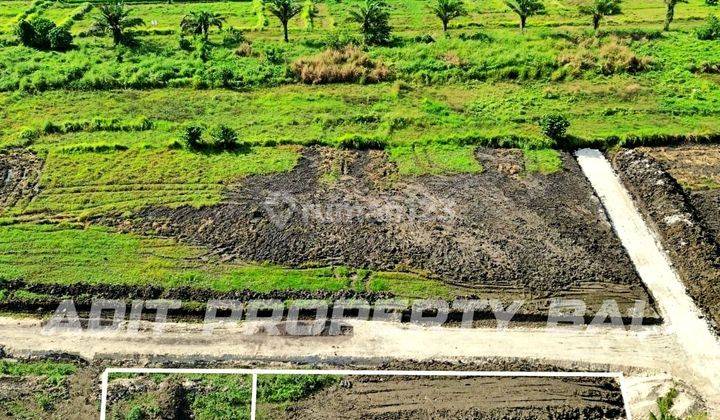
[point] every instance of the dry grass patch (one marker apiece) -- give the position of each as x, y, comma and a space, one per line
611, 57
349, 64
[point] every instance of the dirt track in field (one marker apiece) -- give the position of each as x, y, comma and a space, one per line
358, 397
19, 176
501, 233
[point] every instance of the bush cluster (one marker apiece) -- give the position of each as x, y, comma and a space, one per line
43, 34
349, 64
554, 126
221, 138
710, 30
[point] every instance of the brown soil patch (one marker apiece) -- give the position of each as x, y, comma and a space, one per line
462, 398
697, 169
497, 234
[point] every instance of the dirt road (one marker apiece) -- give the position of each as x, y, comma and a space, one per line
650, 351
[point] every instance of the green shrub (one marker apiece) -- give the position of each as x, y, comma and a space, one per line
476, 36
338, 40
29, 135
284, 388
60, 39
374, 20
94, 148
554, 126
42, 28
424, 39
711, 2
25, 33
224, 138
43, 34
192, 136
360, 142
275, 55
185, 44
233, 37
136, 413
711, 29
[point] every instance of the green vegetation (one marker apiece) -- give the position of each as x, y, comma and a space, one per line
409, 286
229, 398
434, 160
599, 9
525, 8
374, 20
544, 161
71, 255
84, 184
115, 19
284, 10
66, 255
211, 397
447, 10
666, 403
54, 372
126, 110
289, 388
199, 23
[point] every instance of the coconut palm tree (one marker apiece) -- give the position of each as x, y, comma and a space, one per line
525, 9
284, 10
199, 23
670, 12
115, 19
599, 9
448, 10
374, 20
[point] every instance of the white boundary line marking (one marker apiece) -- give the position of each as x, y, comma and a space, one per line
253, 400
343, 372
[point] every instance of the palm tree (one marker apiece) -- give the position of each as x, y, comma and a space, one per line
599, 9
670, 13
115, 18
448, 10
284, 10
525, 8
199, 23
374, 21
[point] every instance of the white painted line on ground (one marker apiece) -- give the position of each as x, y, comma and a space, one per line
619, 376
253, 400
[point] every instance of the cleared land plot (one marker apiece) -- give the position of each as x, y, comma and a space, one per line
411, 222
362, 397
47, 389
202, 397
697, 169
503, 232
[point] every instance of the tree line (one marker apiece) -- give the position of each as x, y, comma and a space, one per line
372, 16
